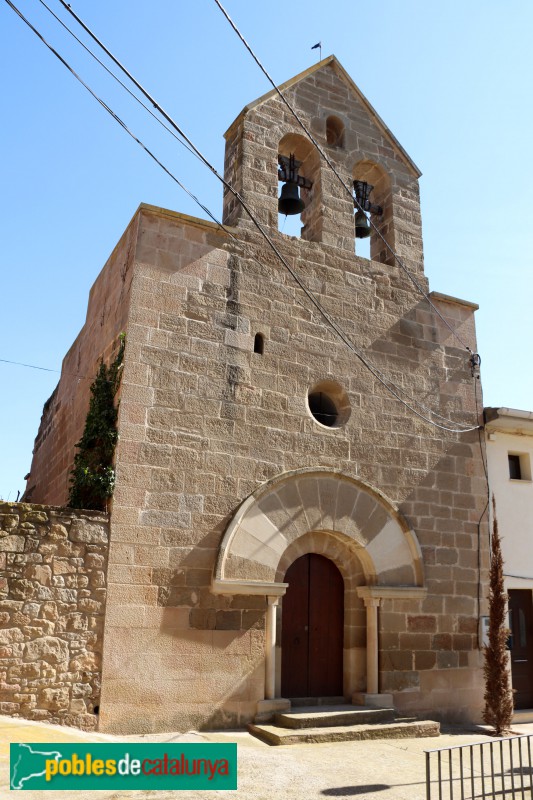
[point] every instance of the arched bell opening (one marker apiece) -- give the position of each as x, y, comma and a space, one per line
376, 189
299, 173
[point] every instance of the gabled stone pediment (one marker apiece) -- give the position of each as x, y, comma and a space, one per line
331, 63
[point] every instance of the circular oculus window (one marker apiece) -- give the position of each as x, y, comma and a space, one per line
328, 404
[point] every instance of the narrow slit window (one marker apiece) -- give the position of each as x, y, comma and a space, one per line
259, 344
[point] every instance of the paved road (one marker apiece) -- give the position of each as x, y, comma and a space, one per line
371, 770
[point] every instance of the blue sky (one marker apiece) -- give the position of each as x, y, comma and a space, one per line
452, 81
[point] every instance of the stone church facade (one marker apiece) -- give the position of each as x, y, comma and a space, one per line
282, 525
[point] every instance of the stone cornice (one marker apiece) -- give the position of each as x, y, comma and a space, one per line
221, 586
392, 592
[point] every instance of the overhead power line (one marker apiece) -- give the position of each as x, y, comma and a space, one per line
339, 178
109, 110
245, 206
44, 369
389, 385
116, 78
29, 366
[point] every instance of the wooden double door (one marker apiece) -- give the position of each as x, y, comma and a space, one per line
312, 637
521, 646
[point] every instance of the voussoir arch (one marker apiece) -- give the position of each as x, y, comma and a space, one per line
295, 503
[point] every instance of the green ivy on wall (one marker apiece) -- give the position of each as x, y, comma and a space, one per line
93, 476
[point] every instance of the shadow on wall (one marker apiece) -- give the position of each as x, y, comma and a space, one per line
176, 678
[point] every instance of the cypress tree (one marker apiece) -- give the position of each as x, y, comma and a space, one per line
498, 697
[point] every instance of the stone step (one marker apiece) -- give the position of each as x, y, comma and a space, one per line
317, 701
332, 716
349, 733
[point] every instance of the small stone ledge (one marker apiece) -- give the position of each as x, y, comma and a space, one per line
22, 508
447, 298
383, 700
346, 733
266, 709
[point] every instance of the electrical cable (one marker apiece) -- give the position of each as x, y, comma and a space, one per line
162, 111
262, 231
112, 74
30, 366
485, 470
116, 78
479, 567
332, 167
308, 293
326, 316
44, 369
110, 111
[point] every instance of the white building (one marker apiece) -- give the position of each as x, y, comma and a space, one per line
509, 434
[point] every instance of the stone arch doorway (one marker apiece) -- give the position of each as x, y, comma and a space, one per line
351, 563
342, 518
312, 634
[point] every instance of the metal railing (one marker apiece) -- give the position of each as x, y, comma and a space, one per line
501, 768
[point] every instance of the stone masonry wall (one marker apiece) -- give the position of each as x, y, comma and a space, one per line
204, 421
53, 564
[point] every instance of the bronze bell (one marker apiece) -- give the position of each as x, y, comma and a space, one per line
290, 202
362, 225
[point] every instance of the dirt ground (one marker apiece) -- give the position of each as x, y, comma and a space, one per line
391, 769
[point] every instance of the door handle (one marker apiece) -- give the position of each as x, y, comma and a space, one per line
519, 660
